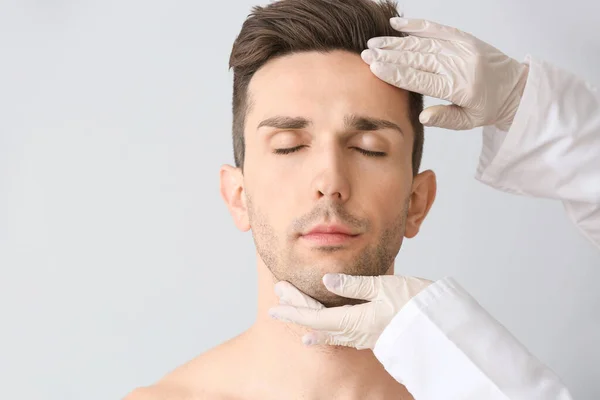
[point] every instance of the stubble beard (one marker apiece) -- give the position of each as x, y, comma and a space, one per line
281, 253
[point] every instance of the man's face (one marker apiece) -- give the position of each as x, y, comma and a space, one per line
319, 107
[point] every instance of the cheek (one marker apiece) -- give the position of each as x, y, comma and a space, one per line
274, 196
386, 192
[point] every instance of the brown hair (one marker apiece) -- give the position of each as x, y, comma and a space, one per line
291, 26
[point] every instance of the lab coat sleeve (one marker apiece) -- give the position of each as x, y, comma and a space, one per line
552, 149
444, 345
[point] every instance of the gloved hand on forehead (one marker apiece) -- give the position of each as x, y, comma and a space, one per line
357, 326
484, 85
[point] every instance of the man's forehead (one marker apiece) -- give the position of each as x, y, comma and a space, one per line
311, 83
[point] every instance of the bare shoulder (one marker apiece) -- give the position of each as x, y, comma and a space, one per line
160, 392
209, 376
172, 392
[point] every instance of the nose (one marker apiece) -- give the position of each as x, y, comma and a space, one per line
331, 176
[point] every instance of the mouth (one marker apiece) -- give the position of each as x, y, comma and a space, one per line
329, 238
330, 234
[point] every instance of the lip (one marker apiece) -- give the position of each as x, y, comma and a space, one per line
329, 235
328, 239
330, 229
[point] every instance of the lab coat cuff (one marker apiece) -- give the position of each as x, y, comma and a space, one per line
439, 293
499, 147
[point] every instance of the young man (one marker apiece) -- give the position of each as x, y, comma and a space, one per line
320, 144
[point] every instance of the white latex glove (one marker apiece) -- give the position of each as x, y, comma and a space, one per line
484, 85
357, 326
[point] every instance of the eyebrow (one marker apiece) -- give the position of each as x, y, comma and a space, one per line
351, 122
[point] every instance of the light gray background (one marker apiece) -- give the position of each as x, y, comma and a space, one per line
119, 260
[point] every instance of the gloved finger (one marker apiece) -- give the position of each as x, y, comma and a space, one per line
328, 319
410, 43
434, 63
430, 29
413, 80
290, 295
352, 286
446, 116
325, 338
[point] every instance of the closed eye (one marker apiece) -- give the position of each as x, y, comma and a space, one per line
367, 153
287, 151
370, 153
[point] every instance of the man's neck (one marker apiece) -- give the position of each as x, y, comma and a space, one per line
316, 372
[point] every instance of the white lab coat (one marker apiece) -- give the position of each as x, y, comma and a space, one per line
443, 345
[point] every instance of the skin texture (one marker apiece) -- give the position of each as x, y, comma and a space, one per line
280, 196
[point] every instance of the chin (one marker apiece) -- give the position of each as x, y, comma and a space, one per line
311, 283
332, 300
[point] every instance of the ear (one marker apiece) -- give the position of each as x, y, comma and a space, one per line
232, 193
421, 199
